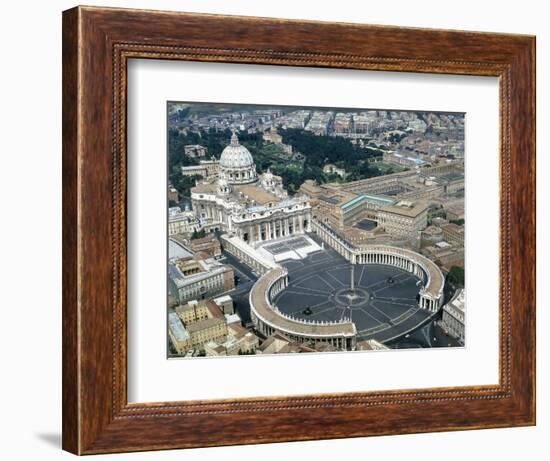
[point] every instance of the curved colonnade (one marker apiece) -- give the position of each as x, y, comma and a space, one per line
431, 292
268, 319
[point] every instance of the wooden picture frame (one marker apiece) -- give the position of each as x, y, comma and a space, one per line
97, 43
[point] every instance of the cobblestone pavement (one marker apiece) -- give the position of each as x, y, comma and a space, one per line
382, 303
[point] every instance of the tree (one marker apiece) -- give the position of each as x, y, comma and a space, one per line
176, 151
456, 276
198, 234
292, 178
320, 150
183, 184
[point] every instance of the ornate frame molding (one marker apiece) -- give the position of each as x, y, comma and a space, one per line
97, 44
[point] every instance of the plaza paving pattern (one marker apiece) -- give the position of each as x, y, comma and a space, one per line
382, 309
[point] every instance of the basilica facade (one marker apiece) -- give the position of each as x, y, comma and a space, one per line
254, 207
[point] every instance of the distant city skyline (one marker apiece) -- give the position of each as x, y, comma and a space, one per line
232, 107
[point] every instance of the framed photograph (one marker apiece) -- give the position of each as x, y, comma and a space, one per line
282, 230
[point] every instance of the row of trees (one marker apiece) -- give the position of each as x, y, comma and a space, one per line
453, 281
214, 142
318, 151
456, 276
183, 184
176, 151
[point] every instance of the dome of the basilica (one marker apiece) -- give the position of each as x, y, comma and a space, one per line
236, 156
236, 164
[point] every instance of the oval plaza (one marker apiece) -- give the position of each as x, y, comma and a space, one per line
380, 293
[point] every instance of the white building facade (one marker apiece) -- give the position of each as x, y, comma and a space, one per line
181, 222
254, 207
454, 316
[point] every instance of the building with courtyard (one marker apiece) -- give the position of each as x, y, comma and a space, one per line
190, 277
195, 150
